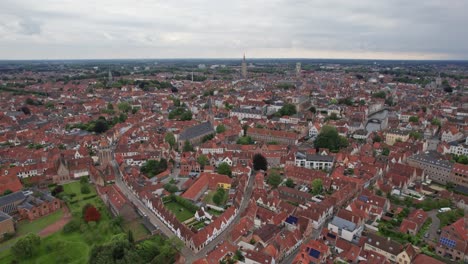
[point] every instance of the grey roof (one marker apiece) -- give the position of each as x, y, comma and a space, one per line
11, 198
343, 223
4, 216
323, 158
432, 158
247, 111
196, 131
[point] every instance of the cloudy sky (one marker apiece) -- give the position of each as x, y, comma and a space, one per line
376, 29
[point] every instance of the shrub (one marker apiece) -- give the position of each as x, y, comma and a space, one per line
85, 189
72, 226
91, 214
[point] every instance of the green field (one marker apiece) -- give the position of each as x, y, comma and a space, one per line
138, 229
24, 227
73, 247
209, 197
179, 211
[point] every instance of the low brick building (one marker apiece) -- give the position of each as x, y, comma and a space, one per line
7, 225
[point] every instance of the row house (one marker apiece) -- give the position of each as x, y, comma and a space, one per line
313, 161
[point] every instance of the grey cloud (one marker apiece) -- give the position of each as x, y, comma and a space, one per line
214, 28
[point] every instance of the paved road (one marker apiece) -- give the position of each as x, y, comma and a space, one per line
434, 225
189, 255
315, 235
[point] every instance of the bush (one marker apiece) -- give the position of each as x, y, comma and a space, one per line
85, 189
72, 226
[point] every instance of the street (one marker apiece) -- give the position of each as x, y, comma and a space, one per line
189, 255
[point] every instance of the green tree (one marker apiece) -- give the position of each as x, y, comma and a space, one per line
224, 169
172, 188
274, 179
187, 146
413, 119
101, 126
202, 160
154, 167
385, 151
377, 138
287, 110
6, 192
124, 107
329, 138
436, 122
219, 198
317, 186
290, 183
259, 162
49, 105
26, 246
170, 139
110, 106
220, 129
415, 134
85, 189
187, 115
379, 94
245, 140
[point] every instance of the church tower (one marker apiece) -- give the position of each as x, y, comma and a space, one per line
244, 68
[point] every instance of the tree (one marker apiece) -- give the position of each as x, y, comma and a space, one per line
317, 186
274, 179
172, 188
7, 191
219, 198
26, 246
220, 129
124, 107
377, 138
92, 214
130, 237
290, 183
329, 138
170, 139
110, 106
415, 134
225, 169
49, 105
85, 189
202, 160
187, 115
245, 140
413, 119
187, 146
287, 110
58, 189
379, 94
25, 110
154, 167
101, 126
385, 151
436, 122
259, 162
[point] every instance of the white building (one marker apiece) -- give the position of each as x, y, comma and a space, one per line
316, 162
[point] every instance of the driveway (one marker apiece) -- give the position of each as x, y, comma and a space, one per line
434, 225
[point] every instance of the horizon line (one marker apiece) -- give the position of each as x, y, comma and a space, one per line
230, 58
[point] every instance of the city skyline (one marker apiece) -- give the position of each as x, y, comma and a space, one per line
278, 29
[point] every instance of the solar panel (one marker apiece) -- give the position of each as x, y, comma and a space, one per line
314, 253
363, 198
291, 220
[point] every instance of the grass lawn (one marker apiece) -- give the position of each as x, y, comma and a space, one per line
24, 227
74, 247
57, 248
138, 229
449, 217
209, 197
214, 212
179, 211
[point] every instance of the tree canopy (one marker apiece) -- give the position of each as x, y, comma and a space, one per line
329, 138
26, 246
287, 110
224, 169
274, 179
220, 129
154, 167
220, 197
317, 186
170, 139
260, 162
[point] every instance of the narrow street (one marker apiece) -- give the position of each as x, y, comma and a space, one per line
189, 255
434, 225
